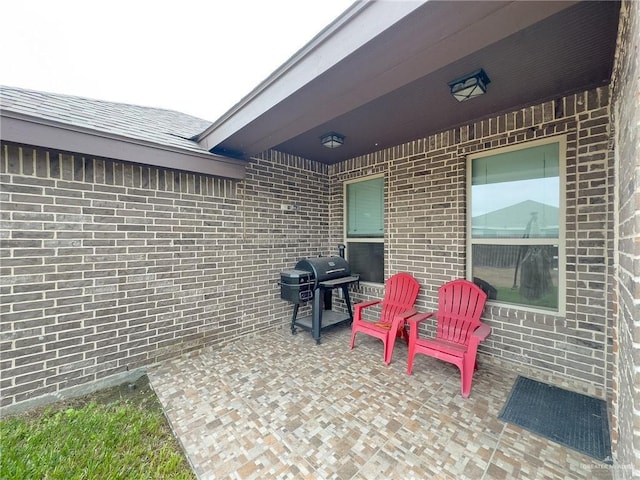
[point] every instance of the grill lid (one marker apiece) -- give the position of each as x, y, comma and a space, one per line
325, 268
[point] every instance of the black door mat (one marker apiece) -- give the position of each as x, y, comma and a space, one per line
571, 419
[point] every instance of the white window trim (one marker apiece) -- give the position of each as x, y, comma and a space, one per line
561, 140
344, 218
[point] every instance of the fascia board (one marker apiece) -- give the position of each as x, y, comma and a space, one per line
23, 129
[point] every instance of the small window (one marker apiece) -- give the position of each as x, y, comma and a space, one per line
516, 212
364, 228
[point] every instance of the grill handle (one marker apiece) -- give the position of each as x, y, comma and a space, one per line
335, 270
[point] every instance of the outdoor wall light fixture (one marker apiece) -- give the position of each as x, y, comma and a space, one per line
470, 86
332, 140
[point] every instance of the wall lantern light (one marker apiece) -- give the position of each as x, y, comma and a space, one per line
332, 140
470, 86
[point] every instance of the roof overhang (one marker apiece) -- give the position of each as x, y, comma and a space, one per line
379, 73
28, 130
361, 22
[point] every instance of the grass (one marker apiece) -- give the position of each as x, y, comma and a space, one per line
113, 434
510, 295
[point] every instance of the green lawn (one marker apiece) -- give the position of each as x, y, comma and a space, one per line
93, 438
511, 295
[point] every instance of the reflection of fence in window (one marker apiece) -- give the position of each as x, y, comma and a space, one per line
499, 256
506, 256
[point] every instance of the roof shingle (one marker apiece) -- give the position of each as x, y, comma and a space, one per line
158, 126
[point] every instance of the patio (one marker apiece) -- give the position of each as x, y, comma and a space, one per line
278, 406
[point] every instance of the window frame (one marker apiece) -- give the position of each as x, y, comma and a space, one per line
561, 140
345, 217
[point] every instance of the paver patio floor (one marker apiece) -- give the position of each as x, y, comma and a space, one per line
279, 406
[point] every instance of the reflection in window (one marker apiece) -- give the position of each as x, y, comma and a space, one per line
526, 216
522, 274
364, 227
367, 260
515, 223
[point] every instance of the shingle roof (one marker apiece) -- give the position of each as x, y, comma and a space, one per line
517, 218
155, 125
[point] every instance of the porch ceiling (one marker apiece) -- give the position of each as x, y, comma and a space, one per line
392, 86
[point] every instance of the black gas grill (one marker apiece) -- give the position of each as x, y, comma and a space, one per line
313, 279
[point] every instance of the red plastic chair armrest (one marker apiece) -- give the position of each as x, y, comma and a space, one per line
482, 332
362, 305
420, 317
358, 307
407, 314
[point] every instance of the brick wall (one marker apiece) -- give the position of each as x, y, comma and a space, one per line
108, 266
626, 115
425, 231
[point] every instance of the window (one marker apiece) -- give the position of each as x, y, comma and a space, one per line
364, 228
516, 224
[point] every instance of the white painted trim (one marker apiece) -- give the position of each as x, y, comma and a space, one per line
344, 219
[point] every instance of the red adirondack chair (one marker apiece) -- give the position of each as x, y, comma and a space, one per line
458, 332
400, 293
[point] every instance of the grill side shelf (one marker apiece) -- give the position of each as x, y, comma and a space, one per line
338, 282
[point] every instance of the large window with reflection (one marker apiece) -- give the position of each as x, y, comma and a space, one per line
364, 227
516, 224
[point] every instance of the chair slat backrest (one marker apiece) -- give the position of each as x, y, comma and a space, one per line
460, 305
400, 294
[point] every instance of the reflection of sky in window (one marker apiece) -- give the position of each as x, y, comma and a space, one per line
494, 196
